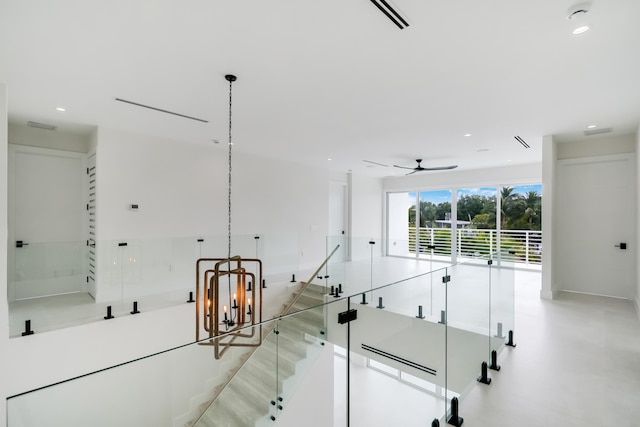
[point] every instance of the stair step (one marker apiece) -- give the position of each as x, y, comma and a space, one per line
315, 313
265, 360
310, 299
260, 388
292, 350
234, 409
296, 327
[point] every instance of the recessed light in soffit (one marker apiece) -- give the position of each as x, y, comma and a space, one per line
44, 126
592, 132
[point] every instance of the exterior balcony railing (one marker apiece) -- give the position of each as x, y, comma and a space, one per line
522, 246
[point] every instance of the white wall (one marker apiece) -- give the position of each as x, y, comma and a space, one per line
4, 315
181, 190
366, 207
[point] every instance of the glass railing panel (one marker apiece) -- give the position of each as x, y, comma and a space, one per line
502, 303
430, 332
337, 344
360, 275
146, 273
245, 397
299, 341
244, 376
467, 319
280, 257
334, 273
164, 389
48, 268
396, 356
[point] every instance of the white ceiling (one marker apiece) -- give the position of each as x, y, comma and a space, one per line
330, 78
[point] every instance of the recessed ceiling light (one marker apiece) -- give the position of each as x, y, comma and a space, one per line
329, 159
467, 134
577, 15
591, 127
581, 29
61, 109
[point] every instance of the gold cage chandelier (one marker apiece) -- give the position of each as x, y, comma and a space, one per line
233, 324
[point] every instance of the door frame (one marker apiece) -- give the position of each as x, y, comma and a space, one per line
11, 194
632, 234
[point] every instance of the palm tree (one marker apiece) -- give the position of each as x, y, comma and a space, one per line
532, 202
506, 203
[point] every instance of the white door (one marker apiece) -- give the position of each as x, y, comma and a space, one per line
596, 217
47, 211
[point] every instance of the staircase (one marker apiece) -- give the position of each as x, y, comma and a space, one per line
258, 391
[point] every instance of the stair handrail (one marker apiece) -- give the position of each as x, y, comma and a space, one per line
306, 284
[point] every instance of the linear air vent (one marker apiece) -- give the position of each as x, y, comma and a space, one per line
522, 141
41, 126
161, 110
390, 13
399, 359
591, 132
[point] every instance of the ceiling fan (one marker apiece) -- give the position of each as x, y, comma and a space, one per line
419, 168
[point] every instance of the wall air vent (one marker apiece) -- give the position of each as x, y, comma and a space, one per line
161, 110
522, 141
591, 132
41, 126
390, 13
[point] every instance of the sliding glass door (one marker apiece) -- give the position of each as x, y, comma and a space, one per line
495, 220
476, 222
419, 223
434, 231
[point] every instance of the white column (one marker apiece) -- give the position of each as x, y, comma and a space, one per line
549, 159
637, 291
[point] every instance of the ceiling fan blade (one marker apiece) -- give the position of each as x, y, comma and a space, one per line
376, 163
411, 173
402, 167
441, 168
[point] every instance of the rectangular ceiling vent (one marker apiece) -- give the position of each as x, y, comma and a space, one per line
41, 126
391, 13
161, 110
522, 141
591, 132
